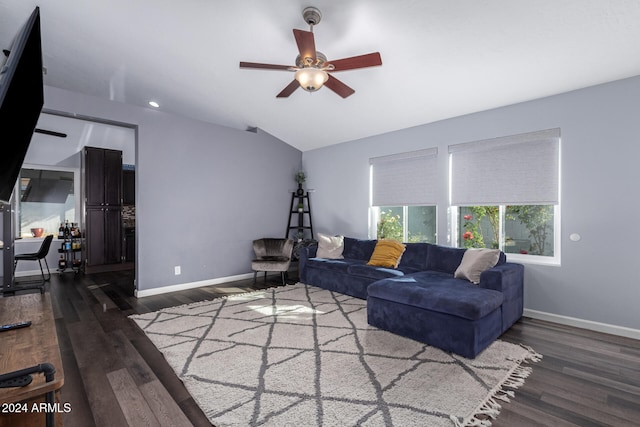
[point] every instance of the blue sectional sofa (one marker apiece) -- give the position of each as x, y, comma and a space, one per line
421, 299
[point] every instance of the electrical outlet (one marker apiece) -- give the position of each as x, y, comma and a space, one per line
176, 270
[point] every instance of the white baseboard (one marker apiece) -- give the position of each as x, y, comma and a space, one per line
584, 324
190, 285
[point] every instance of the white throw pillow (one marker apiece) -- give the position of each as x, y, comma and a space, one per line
474, 262
330, 246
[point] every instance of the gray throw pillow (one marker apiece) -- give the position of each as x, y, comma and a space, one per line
330, 247
474, 262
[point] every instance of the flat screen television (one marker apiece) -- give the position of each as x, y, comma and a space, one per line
21, 101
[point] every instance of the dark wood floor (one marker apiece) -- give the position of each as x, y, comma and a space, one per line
114, 376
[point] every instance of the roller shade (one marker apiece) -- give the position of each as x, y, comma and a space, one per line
405, 179
519, 169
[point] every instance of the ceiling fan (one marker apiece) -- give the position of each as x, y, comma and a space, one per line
312, 69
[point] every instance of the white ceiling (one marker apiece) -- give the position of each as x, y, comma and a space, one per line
54, 150
441, 58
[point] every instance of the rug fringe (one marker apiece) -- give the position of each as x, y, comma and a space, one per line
490, 408
473, 422
533, 356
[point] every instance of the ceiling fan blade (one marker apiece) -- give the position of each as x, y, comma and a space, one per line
264, 66
50, 132
306, 44
338, 87
361, 61
289, 89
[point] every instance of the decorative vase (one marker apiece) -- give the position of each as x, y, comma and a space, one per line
300, 190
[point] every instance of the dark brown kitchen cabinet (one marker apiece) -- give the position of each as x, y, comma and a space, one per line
102, 171
128, 187
103, 238
103, 177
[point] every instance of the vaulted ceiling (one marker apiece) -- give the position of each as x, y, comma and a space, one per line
441, 58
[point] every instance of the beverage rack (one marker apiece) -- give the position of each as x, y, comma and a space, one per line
71, 247
71, 257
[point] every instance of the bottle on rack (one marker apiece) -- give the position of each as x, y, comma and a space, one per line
66, 229
62, 264
61, 231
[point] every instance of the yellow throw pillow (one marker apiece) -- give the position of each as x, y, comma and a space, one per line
387, 253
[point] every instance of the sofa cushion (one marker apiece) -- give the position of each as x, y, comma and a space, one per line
338, 265
372, 272
358, 249
474, 262
414, 257
431, 292
387, 253
444, 258
330, 246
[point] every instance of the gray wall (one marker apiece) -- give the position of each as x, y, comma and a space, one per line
203, 191
598, 279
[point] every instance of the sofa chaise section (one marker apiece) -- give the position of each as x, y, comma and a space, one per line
422, 298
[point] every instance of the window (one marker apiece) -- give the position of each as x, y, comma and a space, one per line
515, 229
47, 198
403, 196
505, 194
529, 230
405, 223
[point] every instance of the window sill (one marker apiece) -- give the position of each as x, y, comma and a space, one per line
533, 259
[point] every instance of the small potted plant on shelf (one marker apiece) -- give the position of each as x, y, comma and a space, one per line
300, 178
300, 207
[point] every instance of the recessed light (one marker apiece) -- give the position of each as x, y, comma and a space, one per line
154, 104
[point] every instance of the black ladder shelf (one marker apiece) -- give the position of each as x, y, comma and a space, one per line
301, 208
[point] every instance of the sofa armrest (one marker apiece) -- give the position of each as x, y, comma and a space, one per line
304, 253
507, 278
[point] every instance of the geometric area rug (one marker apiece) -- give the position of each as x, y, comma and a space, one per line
303, 356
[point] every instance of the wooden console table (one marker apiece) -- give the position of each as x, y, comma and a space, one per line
25, 348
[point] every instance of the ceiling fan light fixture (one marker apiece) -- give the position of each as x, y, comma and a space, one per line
311, 79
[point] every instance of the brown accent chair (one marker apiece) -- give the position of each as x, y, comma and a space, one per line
272, 255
